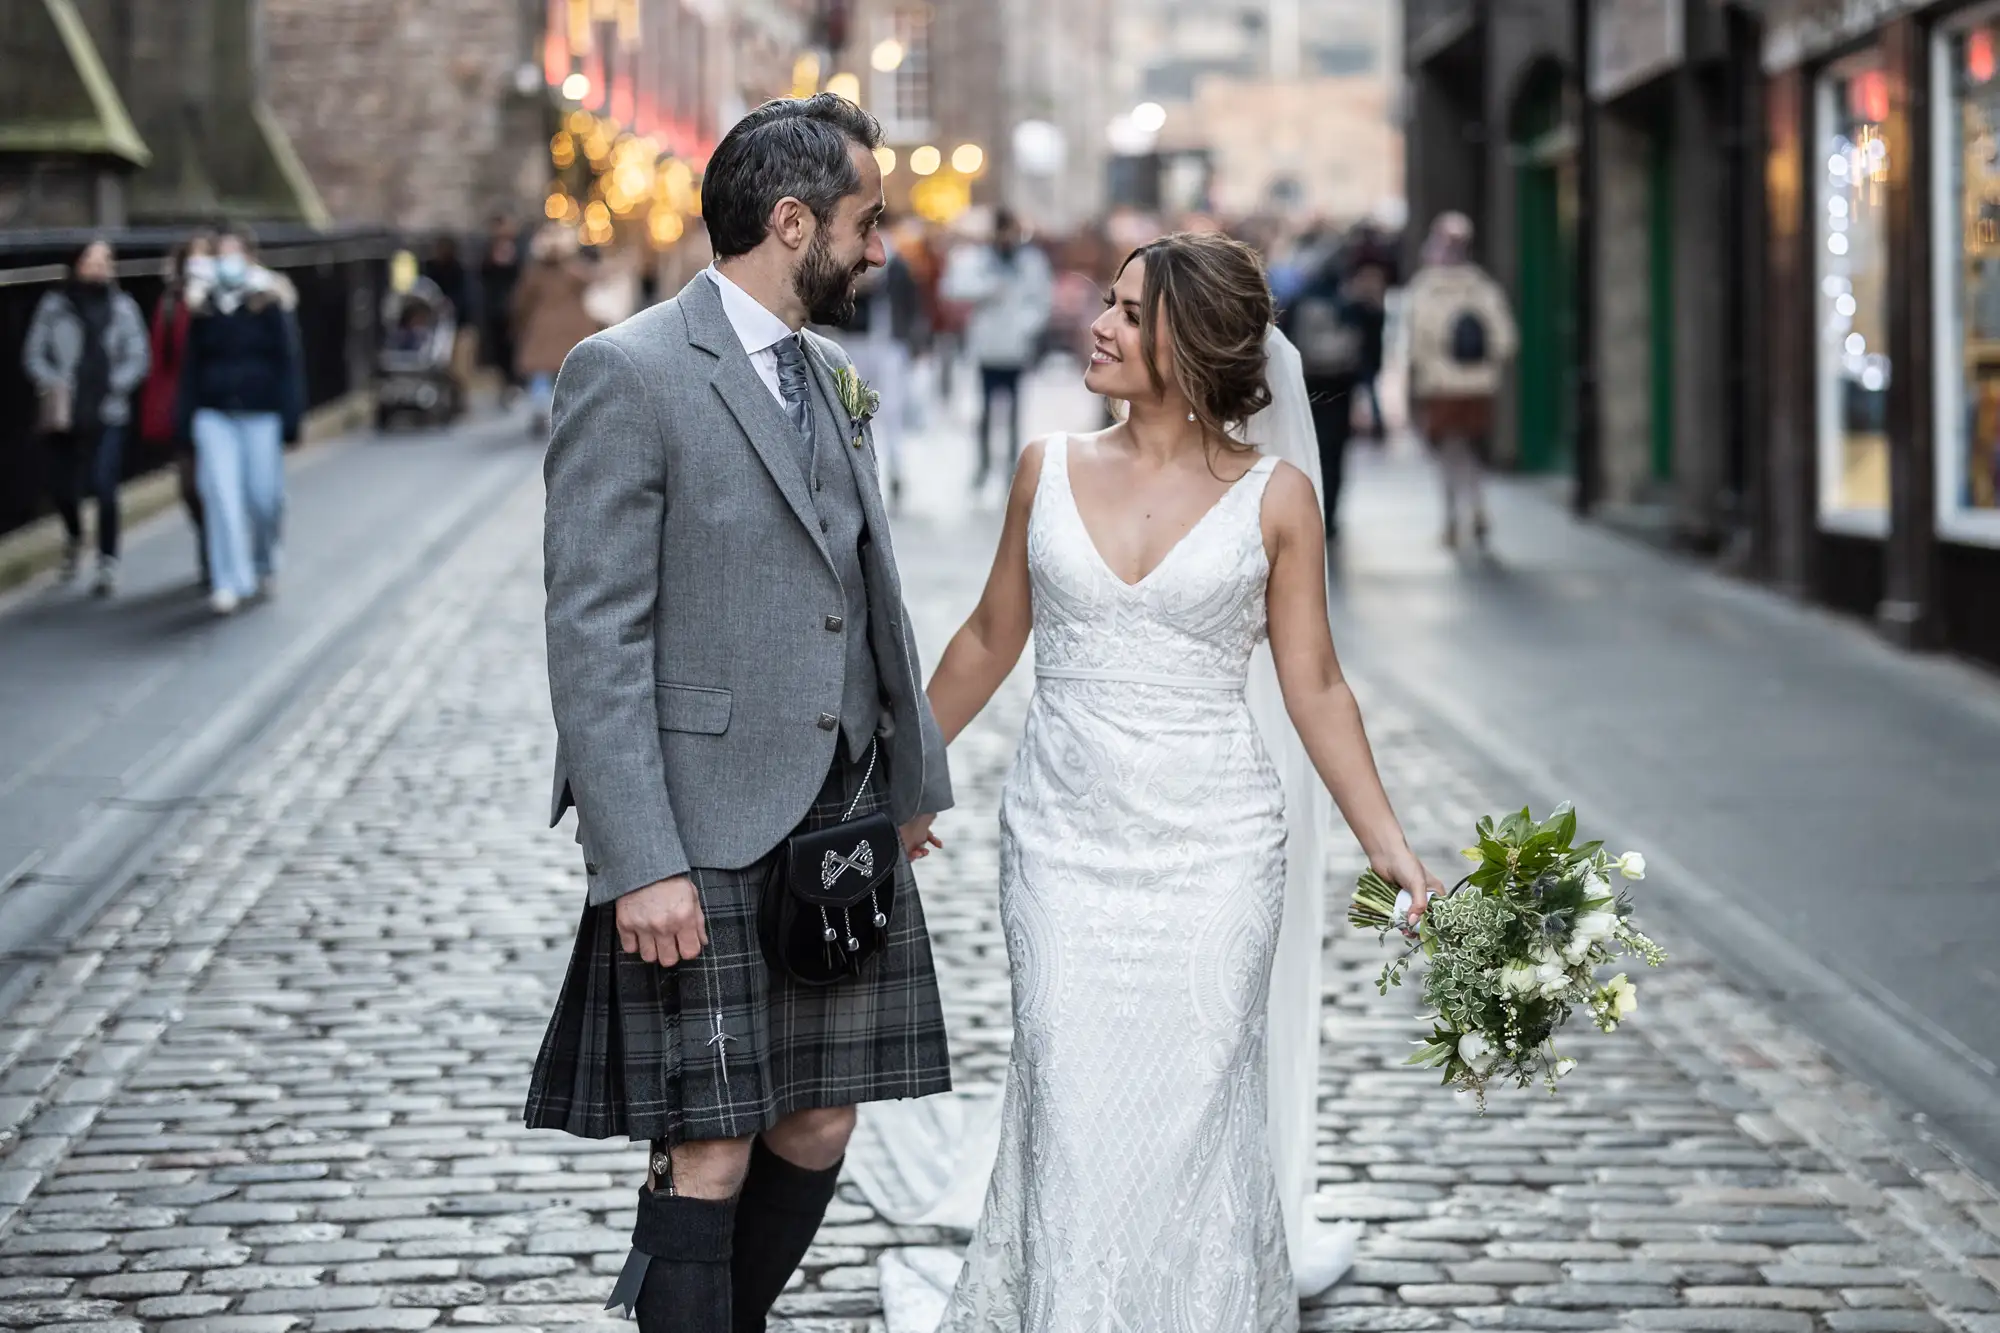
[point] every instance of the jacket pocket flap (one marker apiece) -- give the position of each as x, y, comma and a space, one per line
691, 708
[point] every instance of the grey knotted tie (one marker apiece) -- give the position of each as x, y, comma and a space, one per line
795, 386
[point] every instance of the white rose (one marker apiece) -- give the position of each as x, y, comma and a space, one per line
1552, 977
1632, 866
1624, 996
1518, 977
1472, 1048
1594, 926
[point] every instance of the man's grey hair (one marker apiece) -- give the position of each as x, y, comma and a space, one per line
797, 148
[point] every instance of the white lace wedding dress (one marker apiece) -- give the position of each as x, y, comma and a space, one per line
1142, 888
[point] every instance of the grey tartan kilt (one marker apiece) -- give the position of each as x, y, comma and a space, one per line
723, 1047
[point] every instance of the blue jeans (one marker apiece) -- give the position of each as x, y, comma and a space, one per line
239, 461
542, 392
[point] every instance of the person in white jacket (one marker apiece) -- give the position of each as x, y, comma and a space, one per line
1010, 288
1462, 337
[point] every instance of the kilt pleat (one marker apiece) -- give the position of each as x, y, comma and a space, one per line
722, 1047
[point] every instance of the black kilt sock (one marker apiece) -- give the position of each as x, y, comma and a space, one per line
778, 1214
680, 1251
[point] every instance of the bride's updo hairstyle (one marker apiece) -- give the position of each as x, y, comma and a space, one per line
1218, 307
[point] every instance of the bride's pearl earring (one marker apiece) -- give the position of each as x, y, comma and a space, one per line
1190, 416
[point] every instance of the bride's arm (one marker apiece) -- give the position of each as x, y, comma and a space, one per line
990, 642
1321, 706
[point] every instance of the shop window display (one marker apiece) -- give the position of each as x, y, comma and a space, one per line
1967, 134
1854, 361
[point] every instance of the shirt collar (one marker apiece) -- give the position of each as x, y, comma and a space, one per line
756, 327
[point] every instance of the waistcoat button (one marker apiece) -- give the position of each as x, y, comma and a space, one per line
835, 624
827, 721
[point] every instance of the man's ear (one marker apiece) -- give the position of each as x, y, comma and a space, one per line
792, 223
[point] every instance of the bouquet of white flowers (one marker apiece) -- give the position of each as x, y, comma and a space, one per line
1513, 948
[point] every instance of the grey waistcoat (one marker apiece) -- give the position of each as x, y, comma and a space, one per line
837, 500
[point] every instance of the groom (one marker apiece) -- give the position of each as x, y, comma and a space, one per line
730, 661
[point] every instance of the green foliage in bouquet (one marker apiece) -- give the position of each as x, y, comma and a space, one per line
1514, 949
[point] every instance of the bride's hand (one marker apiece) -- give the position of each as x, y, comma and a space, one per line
1406, 872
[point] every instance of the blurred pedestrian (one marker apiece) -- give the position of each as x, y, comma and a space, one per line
1008, 286
1328, 324
1369, 263
880, 338
456, 280
499, 274
242, 398
86, 354
160, 423
549, 316
1462, 335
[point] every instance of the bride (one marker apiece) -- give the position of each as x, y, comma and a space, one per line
1144, 830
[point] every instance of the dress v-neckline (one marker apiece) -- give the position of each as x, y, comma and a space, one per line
1083, 526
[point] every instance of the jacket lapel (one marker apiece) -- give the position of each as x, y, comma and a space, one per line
749, 401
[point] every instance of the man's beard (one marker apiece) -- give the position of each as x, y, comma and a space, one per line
824, 285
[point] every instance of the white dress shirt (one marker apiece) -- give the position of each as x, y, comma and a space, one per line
757, 328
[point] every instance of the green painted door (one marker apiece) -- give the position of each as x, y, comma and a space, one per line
1544, 193
1660, 291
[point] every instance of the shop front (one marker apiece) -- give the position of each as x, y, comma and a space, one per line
1965, 229
1884, 199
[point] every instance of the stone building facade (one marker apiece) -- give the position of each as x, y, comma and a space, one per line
411, 114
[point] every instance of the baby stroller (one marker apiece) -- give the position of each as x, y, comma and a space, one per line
413, 369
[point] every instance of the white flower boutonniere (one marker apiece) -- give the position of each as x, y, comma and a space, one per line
860, 402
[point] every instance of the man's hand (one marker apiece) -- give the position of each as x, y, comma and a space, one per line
662, 922
918, 838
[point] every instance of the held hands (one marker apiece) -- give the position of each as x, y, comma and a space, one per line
1402, 868
662, 922
918, 838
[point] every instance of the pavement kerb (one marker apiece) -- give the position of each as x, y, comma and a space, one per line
37, 547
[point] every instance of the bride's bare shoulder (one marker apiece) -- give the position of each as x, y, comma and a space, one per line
1290, 503
1028, 474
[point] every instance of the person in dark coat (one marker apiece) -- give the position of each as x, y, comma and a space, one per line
499, 274
1328, 321
242, 397
85, 354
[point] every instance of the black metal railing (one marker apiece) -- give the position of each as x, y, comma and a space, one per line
341, 277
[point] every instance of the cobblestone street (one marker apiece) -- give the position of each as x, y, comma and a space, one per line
277, 1086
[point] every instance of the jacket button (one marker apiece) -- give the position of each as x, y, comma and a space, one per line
825, 526
589, 868
827, 721
835, 624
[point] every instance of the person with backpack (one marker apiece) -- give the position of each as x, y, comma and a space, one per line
1462, 336
1328, 322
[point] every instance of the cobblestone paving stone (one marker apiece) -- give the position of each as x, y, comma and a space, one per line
277, 1086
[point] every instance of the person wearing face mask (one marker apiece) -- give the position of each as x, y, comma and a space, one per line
241, 398
86, 353
191, 262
